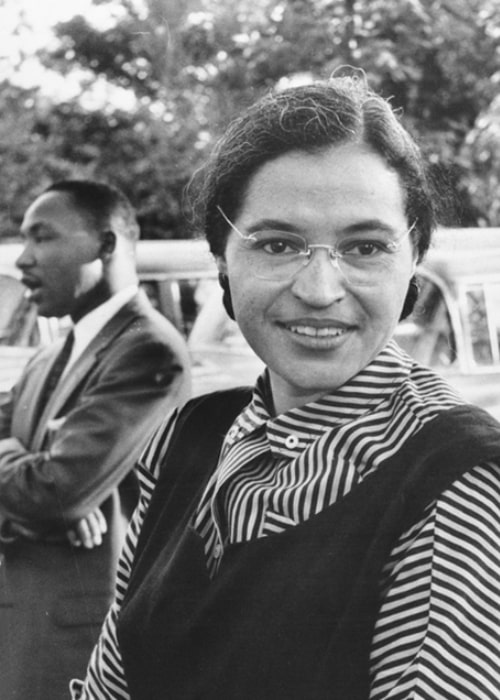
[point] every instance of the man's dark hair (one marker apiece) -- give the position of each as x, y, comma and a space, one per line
106, 207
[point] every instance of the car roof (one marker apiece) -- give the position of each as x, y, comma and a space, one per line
455, 254
175, 259
464, 255
162, 259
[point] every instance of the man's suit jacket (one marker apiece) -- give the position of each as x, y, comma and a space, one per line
57, 467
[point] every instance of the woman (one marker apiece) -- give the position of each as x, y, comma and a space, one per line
334, 533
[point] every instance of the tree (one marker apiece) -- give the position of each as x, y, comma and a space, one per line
188, 67
481, 156
151, 150
436, 59
28, 161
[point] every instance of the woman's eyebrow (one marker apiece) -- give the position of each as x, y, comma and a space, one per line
288, 226
274, 224
369, 225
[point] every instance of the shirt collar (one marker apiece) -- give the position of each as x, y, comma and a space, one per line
89, 326
358, 396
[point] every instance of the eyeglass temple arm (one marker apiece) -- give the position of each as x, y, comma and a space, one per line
230, 223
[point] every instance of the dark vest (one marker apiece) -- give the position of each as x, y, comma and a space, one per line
289, 616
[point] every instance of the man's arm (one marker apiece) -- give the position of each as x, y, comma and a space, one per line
97, 442
6, 415
105, 674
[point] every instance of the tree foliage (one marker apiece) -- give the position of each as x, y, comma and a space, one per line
190, 66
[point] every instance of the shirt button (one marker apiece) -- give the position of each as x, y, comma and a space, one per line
217, 551
233, 433
291, 442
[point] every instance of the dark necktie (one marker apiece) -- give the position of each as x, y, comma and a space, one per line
56, 370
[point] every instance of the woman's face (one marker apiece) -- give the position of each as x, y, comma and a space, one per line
315, 329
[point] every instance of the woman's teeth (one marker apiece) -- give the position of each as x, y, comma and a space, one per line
329, 332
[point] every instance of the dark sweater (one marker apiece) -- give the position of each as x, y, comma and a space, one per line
289, 616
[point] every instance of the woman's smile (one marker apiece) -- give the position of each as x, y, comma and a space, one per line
317, 334
314, 329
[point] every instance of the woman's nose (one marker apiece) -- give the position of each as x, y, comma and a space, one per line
319, 282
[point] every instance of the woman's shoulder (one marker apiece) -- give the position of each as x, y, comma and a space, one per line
224, 401
426, 392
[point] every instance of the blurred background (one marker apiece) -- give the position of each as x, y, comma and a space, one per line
136, 91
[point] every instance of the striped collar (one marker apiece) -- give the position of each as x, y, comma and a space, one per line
289, 433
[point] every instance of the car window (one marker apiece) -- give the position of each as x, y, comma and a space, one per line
179, 300
427, 334
483, 320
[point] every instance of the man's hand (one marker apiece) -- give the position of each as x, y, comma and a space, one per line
88, 531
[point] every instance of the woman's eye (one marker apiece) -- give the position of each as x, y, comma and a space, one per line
365, 248
277, 246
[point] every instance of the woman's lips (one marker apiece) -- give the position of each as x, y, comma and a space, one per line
315, 332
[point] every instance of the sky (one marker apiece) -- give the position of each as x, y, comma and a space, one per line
25, 26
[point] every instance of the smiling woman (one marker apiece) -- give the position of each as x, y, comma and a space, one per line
305, 536
321, 324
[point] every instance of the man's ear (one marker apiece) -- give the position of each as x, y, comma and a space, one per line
108, 243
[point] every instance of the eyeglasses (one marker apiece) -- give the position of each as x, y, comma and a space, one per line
363, 259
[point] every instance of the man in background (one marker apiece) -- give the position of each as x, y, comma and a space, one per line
68, 442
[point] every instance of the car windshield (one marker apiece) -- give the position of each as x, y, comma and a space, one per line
428, 334
431, 337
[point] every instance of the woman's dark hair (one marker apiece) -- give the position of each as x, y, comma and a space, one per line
310, 118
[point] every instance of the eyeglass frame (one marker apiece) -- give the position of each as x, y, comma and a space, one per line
333, 254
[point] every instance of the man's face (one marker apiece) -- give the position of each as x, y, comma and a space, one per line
60, 264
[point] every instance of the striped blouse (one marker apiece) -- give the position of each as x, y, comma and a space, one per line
438, 630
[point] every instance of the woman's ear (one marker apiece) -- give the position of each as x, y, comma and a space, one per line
226, 291
221, 264
411, 298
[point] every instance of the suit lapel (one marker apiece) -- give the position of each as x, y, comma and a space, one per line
84, 364
63, 391
33, 383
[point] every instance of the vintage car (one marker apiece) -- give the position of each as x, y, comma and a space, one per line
455, 327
